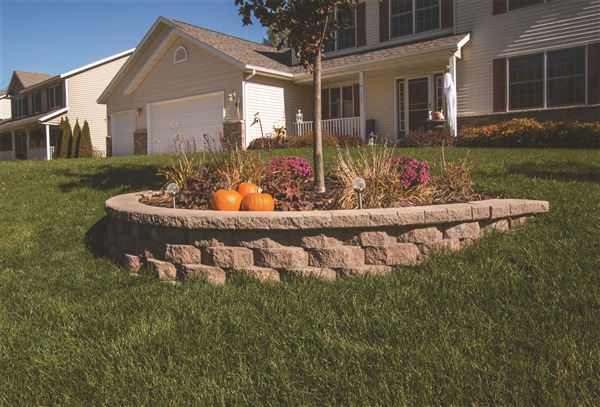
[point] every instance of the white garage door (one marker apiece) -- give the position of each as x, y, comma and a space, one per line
122, 128
268, 102
199, 118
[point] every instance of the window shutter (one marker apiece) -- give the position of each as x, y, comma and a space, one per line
594, 73
325, 104
499, 84
499, 6
384, 20
361, 25
356, 96
447, 14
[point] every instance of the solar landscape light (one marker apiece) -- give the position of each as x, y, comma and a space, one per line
173, 189
359, 185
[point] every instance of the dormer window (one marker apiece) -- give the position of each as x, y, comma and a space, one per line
20, 107
181, 55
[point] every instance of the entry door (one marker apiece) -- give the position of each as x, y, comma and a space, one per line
418, 103
21, 146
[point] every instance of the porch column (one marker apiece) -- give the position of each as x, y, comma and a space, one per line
363, 108
14, 146
452, 63
48, 155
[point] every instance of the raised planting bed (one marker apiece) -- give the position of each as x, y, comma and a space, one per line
213, 245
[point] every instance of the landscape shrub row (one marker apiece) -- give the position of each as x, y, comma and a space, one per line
533, 134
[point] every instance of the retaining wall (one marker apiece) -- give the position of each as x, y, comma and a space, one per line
180, 243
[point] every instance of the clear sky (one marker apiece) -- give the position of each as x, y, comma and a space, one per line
57, 36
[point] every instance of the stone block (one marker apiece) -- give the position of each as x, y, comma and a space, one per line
261, 273
384, 217
421, 235
337, 257
182, 254
500, 225
317, 219
374, 238
150, 249
403, 254
480, 211
229, 257
312, 272
411, 216
126, 243
459, 213
261, 239
169, 235
518, 222
211, 274
532, 207
281, 258
445, 244
165, 270
350, 219
133, 263
368, 270
314, 240
212, 238
470, 230
435, 214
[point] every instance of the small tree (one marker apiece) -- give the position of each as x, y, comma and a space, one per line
65, 140
305, 26
76, 140
85, 142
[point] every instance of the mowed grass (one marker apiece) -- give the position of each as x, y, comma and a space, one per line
511, 320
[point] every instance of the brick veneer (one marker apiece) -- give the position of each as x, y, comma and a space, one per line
179, 243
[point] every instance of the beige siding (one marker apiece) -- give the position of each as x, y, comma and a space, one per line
372, 15
202, 73
83, 92
379, 99
5, 109
557, 24
118, 101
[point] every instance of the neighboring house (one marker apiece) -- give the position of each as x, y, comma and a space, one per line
39, 101
5, 107
508, 58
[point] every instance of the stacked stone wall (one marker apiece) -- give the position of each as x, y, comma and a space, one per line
213, 245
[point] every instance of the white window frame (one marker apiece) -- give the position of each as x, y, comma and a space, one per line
509, 8
178, 60
54, 96
20, 107
414, 20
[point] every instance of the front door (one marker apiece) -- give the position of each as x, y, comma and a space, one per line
413, 104
21, 146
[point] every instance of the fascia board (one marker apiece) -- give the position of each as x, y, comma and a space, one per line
54, 114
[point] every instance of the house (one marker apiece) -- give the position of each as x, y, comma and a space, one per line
5, 107
39, 101
506, 58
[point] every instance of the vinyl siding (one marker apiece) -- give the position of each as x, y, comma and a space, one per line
83, 91
202, 73
380, 106
118, 101
555, 25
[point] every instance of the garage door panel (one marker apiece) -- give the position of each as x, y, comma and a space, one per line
191, 119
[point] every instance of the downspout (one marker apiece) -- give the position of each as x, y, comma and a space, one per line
48, 156
245, 99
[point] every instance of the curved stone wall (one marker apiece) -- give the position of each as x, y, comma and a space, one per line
180, 243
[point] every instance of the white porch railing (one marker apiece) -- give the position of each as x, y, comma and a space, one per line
344, 127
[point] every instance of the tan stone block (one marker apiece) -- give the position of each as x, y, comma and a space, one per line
229, 257
375, 238
411, 216
312, 241
313, 272
384, 217
404, 254
350, 219
367, 270
261, 239
317, 219
480, 211
211, 274
499, 208
445, 244
182, 254
133, 263
286, 220
500, 225
165, 270
212, 238
261, 273
421, 235
337, 257
532, 206
435, 214
469, 230
459, 213
518, 222
281, 258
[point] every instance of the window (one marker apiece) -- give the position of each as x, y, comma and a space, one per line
181, 55
439, 92
5, 142
37, 102
20, 107
54, 96
556, 78
37, 139
516, 4
345, 38
409, 17
341, 102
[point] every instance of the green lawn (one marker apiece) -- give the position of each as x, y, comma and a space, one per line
511, 320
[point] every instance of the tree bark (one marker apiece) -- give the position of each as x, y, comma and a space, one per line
318, 136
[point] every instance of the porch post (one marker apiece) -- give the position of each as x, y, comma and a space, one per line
14, 146
452, 63
48, 156
363, 108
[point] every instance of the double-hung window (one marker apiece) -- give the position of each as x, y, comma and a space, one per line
550, 79
54, 96
345, 38
408, 17
341, 102
37, 102
20, 107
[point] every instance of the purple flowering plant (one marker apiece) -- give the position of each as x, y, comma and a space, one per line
297, 168
410, 171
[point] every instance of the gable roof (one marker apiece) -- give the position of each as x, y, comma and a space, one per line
28, 79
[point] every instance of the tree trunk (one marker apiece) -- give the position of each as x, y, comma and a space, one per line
318, 137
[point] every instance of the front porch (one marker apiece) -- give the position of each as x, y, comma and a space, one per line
341, 127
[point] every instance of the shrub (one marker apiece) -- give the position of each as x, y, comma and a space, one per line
410, 172
531, 133
265, 143
75, 139
85, 142
291, 167
65, 141
427, 139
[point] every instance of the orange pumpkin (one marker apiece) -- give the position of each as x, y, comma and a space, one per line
246, 188
226, 200
259, 202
